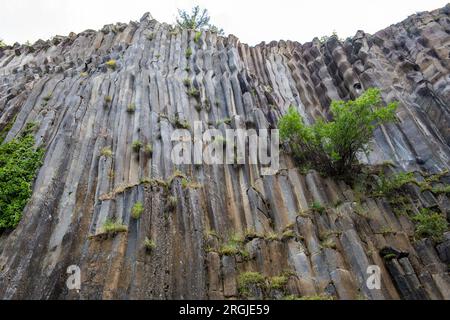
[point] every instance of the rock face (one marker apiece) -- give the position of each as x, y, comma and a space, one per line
80, 103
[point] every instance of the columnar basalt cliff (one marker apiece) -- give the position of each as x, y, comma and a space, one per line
77, 89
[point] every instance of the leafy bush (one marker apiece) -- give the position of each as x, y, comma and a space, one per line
430, 224
198, 19
331, 147
137, 210
19, 161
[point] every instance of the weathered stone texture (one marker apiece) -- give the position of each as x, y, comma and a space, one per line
253, 86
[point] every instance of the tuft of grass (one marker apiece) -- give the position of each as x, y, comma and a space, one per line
113, 226
187, 82
172, 202
317, 207
148, 149
272, 236
137, 145
112, 64
188, 52
137, 210
329, 244
194, 93
278, 283
430, 224
229, 249
197, 36
441, 190
47, 97
247, 280
390, 257
149, 245
108, 99
106, 152
288, 234
131, 108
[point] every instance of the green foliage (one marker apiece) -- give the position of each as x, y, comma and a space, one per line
19, 161
188, 52
187, 82
387, 185
137, 210
172, 202
197, 36
150, 245
193, 92
2, 44
106, 152
198, 19
278, 283
317, 207
331, 147
430, 224
148, 149
131, 108
247, 280
112, 64
137, 145
113, 226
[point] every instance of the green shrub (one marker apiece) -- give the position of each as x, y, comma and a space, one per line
149, 245
19, 161
113, 226
137, 145
389, 184
148, 149
331, 147
2, 44
188, 52
193, 92
197, 36
278, 283
430, 224
197, 19
131, 108
172, 202
187, 82
106, 152
112, 64
317, 207
137, 210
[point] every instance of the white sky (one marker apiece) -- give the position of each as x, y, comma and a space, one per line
252, 21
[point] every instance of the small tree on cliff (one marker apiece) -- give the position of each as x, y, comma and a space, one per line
198, 19
331, 147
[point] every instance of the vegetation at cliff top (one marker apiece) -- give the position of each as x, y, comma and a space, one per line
19, 162
197, 19
332, 147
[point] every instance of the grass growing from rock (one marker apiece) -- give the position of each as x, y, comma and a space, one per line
106, 152
113, 226
149, 244
137, 145
247, 280
137, 210
430, 224
19, 162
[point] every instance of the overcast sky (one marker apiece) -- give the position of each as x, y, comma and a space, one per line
252, 21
